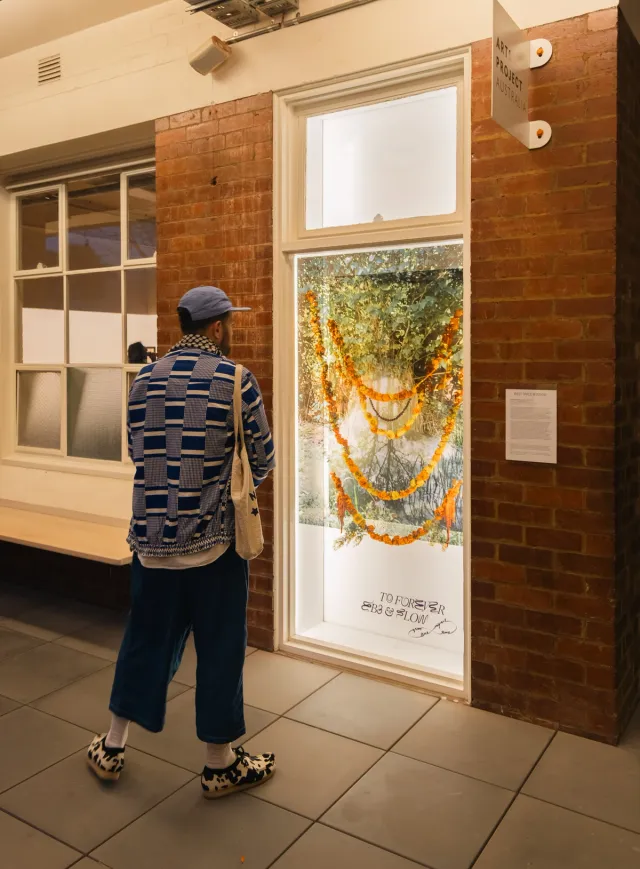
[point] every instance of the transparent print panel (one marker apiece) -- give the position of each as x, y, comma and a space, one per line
93, 222
94, 413
380, 453
95, 321
387, 161
141, 196
142, 316
38, 231
39, 401
41, 319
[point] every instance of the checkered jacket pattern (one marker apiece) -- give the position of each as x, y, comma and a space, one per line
181, 441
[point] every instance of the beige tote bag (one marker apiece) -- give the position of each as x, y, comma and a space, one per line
249, 537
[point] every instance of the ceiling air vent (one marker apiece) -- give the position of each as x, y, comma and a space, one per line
49, 69
233, 13
276, 7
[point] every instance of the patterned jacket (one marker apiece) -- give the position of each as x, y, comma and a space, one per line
181, 440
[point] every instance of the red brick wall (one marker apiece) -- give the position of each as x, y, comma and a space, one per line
628, 374
543, 316
214, 213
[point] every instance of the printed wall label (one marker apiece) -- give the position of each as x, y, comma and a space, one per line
532, 425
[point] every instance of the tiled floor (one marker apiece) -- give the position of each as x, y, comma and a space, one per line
369, 774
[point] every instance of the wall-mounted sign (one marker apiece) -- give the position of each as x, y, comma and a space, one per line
514, 55
532, 425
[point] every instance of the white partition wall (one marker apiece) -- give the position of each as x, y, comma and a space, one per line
371, 201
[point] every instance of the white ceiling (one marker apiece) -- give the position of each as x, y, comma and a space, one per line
26, 23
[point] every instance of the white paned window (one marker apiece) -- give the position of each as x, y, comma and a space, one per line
381, 162
85, 310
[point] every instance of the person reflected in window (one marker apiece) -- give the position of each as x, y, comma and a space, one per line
186, 574
137, 354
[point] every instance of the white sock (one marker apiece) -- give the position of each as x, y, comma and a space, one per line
219, 756
118, 732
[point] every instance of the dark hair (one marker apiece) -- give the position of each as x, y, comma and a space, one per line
137, 353
190, 327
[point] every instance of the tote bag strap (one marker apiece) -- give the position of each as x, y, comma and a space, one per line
237, 407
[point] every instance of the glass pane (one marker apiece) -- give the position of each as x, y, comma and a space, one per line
94, 222
94, 413
41, 312
142, 216
142, 319
380, 454
38, 231
95, 319
387, 161
39, 409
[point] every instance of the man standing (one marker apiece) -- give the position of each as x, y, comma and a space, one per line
186, 575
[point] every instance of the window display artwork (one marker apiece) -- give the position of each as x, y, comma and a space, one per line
380, 452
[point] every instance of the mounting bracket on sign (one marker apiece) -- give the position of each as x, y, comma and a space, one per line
540, 51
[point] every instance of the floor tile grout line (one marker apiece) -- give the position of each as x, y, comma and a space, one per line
40, 771
139, 818
190, 781
8, 627
61, 688
535, 765
328, 809
44, 832
483, 781
581, 814
5, 627
333, 733
372, 844
286, 715
291, 844
419, 721
512, 801
308, 696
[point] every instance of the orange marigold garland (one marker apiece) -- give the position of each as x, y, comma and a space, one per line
420, 479
442, 512
442, 354
445, 511
392, 434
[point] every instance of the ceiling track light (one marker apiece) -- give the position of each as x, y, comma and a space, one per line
276, 7
232, 13
242, 13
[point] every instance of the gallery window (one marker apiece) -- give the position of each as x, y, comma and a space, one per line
372, 284
85, 310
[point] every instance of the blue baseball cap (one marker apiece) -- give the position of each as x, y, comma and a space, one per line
206, 303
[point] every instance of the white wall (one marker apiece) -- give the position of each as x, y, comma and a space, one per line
135, 69
122, 72
77, 495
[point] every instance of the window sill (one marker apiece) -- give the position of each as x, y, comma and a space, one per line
113, 470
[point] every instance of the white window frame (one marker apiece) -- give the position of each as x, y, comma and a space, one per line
57, 459
291, 237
